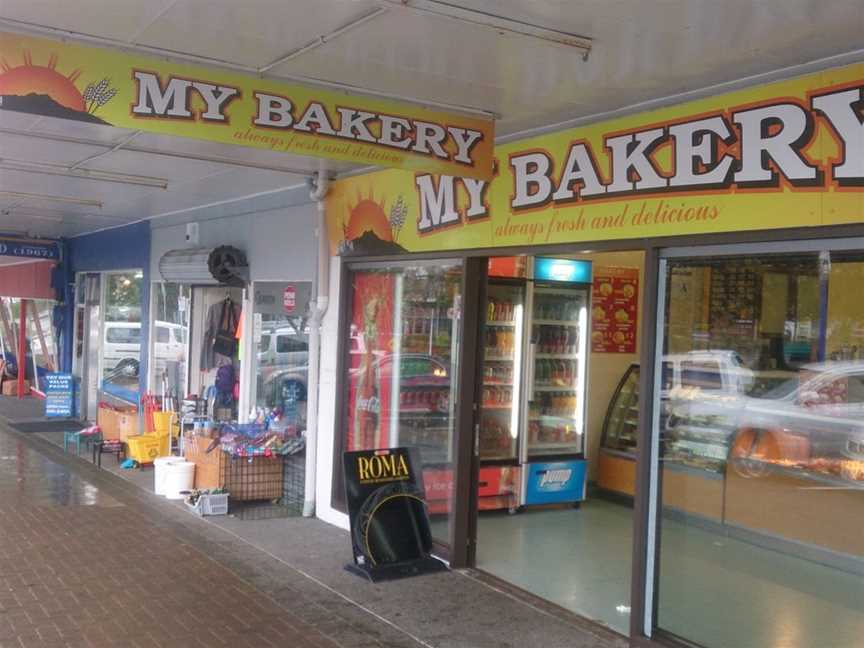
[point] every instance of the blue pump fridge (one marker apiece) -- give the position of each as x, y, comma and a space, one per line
554, 416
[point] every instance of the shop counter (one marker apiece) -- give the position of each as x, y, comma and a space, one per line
798, 505
690, 490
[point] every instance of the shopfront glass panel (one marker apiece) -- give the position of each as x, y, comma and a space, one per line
762, 451
401, 383
281, 339
121, 334
169, 330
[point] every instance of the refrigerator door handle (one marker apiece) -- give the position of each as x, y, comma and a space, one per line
532, 356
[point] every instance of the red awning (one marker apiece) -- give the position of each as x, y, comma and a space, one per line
27, 280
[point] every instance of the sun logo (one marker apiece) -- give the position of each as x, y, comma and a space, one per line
43, 90
28, 79
367, 215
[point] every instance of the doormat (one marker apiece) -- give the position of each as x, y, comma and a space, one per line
65, 425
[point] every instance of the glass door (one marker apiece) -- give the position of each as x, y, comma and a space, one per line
92, 350
556, 393
502, 372
758, 445
401, 360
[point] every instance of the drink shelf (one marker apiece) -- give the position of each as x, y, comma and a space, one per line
500, 323
553, 418
492, 383
497, 407
557, 356
555, 388
555, 322
554, 445
499, 358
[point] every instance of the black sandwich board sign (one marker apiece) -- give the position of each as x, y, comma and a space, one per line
390, 533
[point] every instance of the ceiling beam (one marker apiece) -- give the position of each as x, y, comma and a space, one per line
46, 168
20, 195
326, 38
495, 22
116, 147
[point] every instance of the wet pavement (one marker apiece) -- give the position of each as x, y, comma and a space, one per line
80, 567
88, 558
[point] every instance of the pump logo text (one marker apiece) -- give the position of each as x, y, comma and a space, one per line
555, 478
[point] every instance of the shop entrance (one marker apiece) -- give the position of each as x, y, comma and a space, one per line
556, 450
214, 309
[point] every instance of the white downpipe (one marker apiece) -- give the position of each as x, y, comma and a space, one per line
321, 299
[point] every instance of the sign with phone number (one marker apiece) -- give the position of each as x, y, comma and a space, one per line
29, 249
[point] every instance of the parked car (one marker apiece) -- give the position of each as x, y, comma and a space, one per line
282, 347
817, 413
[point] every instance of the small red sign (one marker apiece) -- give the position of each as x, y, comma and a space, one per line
614, 310
289, 299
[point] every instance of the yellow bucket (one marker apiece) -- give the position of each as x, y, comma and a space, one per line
163, 422
144, 448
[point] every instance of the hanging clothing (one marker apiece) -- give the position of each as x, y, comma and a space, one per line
219, 315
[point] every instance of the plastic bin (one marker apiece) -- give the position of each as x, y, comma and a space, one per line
179, 478
159, 464
209, 504
145, 448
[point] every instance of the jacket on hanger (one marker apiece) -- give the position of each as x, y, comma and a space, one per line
209, 358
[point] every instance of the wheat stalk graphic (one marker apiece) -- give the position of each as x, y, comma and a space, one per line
398, 216
97, 95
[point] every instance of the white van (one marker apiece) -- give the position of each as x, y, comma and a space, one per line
122, 341
283, 348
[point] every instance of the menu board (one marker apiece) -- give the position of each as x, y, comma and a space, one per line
614, 316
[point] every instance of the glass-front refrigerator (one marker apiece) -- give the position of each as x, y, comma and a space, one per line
500, 408
554, 452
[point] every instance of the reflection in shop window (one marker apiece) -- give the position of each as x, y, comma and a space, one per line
401, 380
170, 313
762, 446
121, 334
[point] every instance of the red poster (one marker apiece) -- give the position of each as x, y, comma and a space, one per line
614, 317
370, 353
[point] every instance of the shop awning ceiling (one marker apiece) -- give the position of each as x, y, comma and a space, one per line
45, 188
640, 52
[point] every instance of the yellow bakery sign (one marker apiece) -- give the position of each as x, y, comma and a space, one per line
788, 154
110, 87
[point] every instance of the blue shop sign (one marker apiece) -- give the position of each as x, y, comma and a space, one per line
59, 395
29, 249
567, 270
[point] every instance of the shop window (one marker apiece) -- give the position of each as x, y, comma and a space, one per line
282, 359
39, 337
762, 450
401, 359
286, 344
121, 334
169, 316
703, 375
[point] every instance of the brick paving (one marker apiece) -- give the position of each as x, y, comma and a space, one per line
78, 567
91, 559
